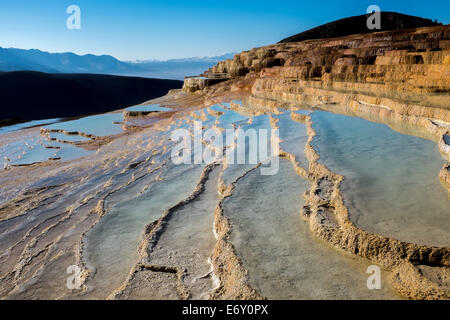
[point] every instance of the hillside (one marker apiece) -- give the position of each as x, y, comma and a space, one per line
28, 95
358, 24
13, 59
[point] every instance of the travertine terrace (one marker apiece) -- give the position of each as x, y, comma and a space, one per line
387, 77
52, 212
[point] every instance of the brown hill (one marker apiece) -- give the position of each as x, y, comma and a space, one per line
358, 24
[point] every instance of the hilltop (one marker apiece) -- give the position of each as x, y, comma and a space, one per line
358, 24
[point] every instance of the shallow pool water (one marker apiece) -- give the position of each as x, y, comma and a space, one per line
391, 187
70, 152
217, 108
278, 249
148, 107
243, 150
111, 246
304, 112
28, 124
188, 240
35, 154
231, 117
14, 150
391, 181
98, 125
26, 151
293, 136
37, 149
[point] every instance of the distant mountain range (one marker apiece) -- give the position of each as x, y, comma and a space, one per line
12, 59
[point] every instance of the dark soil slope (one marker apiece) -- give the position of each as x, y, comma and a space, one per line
358, 24
27, 95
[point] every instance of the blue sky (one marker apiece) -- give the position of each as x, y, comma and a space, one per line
164, 29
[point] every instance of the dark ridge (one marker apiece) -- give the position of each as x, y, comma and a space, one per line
358, 24
29, 95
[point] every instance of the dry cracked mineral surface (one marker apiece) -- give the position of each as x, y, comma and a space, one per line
95, 208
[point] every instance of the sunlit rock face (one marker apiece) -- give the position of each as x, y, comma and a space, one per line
410, 65
192, 84
363, 181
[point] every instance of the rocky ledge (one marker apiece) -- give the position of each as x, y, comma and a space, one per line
192, 84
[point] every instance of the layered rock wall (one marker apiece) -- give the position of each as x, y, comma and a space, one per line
400, 75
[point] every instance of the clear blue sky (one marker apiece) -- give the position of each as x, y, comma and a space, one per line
163, 29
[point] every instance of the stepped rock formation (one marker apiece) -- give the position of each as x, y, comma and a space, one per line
140, 227
393, 76
398, 74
